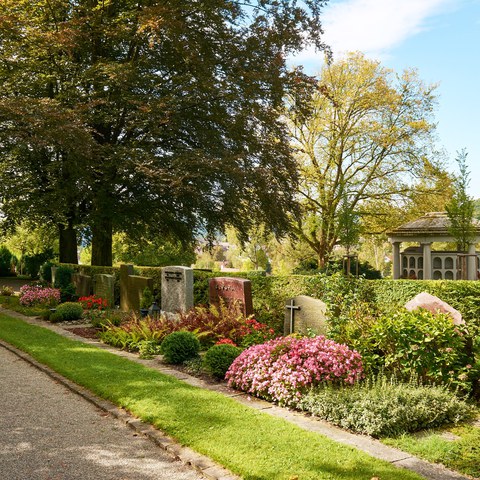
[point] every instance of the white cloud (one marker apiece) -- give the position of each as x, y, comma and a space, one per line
374, 26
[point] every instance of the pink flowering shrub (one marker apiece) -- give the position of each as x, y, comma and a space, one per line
283, 369
31, 295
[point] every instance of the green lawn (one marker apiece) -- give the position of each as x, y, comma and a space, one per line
252, 444
457, 447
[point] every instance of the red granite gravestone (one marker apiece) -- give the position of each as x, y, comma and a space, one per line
231, 289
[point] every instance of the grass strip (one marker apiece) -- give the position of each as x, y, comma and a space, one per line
251, 444
457, 447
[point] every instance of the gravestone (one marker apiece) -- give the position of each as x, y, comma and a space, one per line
231, 290
177, 289
83, 284
104, 287
54, 272
434, 305
131, 288
304, 314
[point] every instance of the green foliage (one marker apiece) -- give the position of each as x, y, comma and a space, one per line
6, 291
33, 263
5, 261
147, 298
177, 347
422, 344
70, 310
63, 276
46, 271
55, 317
218, 359
461, 207
383, 407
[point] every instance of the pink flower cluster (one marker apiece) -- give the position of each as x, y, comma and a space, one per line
284, 368
36, 295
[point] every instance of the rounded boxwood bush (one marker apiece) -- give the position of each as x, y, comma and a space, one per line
219, 358
70, 311
179, 347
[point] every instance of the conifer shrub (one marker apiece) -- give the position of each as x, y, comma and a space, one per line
219, 358
70, 311
179, 347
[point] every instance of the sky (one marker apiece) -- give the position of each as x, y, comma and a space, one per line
439, 38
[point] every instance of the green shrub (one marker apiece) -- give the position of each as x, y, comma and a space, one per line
383, 408
70, 311
33, 263
46, 271
6, 291
55, 317
63, 276
147, 298
180, 346
5, 261
148, 348
425, 345
219, 358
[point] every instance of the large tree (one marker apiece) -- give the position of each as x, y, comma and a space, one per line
364, 139
148, 111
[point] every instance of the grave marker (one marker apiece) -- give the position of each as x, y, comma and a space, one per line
177, 289
231, 290
104, 287
83, 284
131, 288
305, 314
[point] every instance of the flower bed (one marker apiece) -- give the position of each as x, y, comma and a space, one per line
31, 295
283, 369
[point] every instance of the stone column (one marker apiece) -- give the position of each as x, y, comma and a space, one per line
471, 263
397, 267
427, 261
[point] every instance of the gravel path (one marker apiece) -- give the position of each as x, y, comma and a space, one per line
49, 433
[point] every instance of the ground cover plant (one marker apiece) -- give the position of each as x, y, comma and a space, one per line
457, 447
12, 302
384, 407
285, 368
250, 443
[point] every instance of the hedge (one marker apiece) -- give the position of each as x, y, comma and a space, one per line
337, 291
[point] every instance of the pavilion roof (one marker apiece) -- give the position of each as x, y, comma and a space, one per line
433, 224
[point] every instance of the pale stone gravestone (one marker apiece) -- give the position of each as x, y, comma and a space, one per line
177, 289
131, 288
304, 314
231, 290
104, 287
83, 284
54, 271
435, 305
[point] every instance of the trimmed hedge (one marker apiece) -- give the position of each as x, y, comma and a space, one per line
337, 291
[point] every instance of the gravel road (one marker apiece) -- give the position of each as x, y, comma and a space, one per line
49, 433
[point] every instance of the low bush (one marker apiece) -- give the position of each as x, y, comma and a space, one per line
70, 311
6, 258
32, 295
134, 330
105, 318
178, 347
282, 370
384, 407
425, 345
6, 291
219, 358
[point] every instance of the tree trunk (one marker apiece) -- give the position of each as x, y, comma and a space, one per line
67, 244
102, 243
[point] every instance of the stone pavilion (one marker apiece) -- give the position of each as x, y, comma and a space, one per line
421, 262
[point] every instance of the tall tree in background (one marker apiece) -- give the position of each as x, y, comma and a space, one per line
117, 114
461, 207
366, 137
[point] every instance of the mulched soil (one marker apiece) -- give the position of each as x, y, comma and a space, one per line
85, 332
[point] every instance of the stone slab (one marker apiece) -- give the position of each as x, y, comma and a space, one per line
308, 314
83, 284
177, 289
435, 305
104, 287
231, 290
